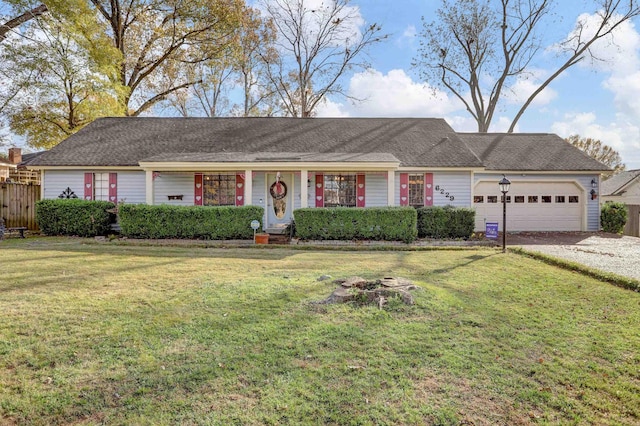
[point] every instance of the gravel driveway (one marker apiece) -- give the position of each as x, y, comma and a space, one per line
607, 252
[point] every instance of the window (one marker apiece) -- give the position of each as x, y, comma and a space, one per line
560, 198
416, 190
508, 199
546, 198
101, 186
219, 190
478, 199
492, 198
532, 199
519, 199
340, 190
574, 199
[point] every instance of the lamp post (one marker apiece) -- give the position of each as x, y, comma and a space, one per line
504, 188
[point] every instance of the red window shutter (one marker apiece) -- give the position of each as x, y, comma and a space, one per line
198, 189
319, 190
428, 189
360, 191
113, 187
239, 190
88, 186
404, 189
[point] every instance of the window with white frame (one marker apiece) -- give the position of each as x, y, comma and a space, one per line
101, 186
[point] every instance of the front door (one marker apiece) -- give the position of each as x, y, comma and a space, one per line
279, 199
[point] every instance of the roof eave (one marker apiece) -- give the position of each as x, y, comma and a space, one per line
168, 166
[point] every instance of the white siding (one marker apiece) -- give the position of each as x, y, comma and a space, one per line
131, 187
457, 184
375, 189
311, 195
296, 191
258, 197
167, 183
131, 184
56, 181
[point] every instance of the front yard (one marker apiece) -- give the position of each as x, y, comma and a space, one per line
104, 333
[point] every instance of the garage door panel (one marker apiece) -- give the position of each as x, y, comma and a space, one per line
533, 216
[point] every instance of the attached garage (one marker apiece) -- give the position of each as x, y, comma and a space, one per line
532, 206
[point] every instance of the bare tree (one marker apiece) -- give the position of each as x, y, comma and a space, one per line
597, 150
474, 42
317, 46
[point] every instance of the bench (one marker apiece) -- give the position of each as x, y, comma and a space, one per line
19, 229
4, 230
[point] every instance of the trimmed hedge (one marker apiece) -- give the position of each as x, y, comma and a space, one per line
613, 217
446, 222
343, 223
192, 222
77, 217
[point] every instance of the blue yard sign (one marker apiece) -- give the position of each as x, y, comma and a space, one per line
491, 230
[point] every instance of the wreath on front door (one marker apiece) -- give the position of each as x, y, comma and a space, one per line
278, 190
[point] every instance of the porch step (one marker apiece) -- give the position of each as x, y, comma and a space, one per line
278, 238
277, 231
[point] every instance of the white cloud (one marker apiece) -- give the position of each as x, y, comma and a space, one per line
619, 57
392, 95
525, 85
626, 91
615, 53
622, 135
466, 123
408, 37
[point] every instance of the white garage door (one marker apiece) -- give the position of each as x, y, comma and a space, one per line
531, 206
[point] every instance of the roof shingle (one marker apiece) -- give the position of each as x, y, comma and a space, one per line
414, 142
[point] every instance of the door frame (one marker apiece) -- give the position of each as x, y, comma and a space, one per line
270, 220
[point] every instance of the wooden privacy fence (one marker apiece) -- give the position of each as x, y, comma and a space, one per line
632, 227
18, 205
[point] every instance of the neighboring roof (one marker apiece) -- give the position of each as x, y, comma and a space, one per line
29, 157
528, 152
413, 142
618, 182
125, 141
6, 164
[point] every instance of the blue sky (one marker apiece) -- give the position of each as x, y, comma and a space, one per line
599, 100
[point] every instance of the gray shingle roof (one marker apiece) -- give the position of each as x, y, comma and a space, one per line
616, 182
528, 152
125, 141
414, 142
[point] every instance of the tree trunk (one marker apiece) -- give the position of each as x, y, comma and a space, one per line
19, 20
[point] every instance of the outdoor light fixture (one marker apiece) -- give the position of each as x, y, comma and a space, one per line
594, 194
594, 183
504, 188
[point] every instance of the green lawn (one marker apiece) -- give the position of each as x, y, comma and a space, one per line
121, 334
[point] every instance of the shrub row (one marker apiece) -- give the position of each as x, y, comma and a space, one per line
74, 217
342, 223
446, 222
193, 222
